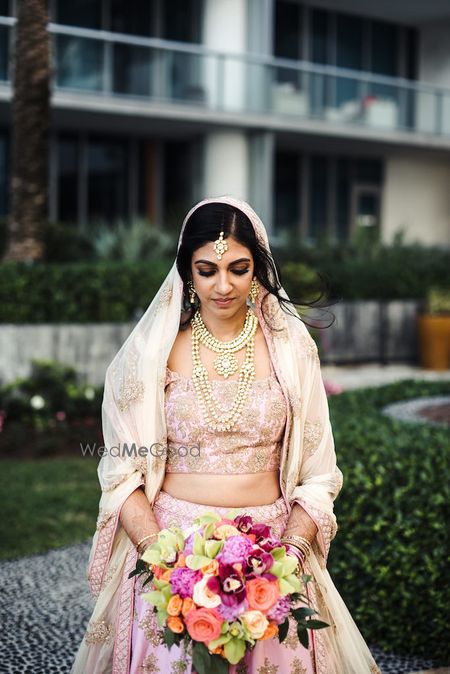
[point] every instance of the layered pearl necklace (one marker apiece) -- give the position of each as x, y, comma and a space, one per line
226, 363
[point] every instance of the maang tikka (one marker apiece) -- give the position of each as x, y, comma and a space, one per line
220, 246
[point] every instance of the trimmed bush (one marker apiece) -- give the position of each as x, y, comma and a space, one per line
390, 557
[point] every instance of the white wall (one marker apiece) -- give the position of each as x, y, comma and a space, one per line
417, 198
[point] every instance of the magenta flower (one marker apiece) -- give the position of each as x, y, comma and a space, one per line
244, 523
182, 581
235, 549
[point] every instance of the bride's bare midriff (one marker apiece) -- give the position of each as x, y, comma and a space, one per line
230, 491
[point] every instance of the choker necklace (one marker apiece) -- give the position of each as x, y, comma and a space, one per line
218, 418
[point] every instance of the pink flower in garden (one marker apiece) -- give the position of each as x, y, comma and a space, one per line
60, 415
331, 388
2, 419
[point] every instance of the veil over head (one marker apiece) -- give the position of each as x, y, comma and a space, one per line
135, 437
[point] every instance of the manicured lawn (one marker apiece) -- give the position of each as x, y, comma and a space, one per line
47, 504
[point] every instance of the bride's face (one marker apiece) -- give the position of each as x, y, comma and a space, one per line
229, 278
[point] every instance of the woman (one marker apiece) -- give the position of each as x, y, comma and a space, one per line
216, 427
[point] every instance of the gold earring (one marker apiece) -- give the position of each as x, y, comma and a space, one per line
254, 289
192, 292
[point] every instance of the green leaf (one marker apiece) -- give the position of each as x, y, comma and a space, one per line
169, 637
303, 636
283, 629
302, 612
316, 624
206, 663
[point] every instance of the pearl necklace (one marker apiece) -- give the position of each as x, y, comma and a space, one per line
226, 362
218, 418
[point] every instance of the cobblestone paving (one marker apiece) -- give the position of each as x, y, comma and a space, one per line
45, 606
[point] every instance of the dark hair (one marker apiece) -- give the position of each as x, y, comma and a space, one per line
204, 225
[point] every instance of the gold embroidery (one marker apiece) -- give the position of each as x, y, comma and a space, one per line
268, 668
374, 669
166, 296
179, 666
98, 632
291, 640
103, 519
276, 318
150, 628
295, 402
110, 573
131, 389
150, 664
116, 483
312, 436
140, 463
297, 667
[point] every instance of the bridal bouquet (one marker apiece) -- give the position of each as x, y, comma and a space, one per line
224, 584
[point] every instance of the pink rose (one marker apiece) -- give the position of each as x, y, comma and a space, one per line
203, 624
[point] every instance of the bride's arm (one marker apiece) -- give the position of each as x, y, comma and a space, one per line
138, 519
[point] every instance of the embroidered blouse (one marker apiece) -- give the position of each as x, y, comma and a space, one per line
254, 445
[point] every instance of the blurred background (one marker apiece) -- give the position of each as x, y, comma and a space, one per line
332, 118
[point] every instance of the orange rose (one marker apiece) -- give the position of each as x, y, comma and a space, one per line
262, 594
175, 624
271, 631
158, 572
174, 605
166, 574
203, 624
188, 605
211, 568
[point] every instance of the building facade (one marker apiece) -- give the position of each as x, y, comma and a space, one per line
329, 116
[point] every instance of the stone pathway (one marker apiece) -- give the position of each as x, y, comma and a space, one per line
45, 607
373, 374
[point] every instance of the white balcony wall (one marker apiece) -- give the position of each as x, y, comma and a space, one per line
225, 29
416, 197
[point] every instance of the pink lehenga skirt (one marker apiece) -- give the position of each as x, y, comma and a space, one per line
149, 655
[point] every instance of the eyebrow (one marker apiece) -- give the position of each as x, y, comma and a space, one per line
213, 264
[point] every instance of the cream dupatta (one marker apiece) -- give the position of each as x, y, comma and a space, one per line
133, 412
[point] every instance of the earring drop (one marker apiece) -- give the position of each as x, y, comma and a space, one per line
254, 289
192, 292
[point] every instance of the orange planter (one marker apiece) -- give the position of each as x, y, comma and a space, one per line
434, 341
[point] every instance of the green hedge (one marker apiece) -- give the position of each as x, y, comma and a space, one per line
118, 291
81, 292
390, 558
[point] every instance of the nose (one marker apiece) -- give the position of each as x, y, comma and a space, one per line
223, 285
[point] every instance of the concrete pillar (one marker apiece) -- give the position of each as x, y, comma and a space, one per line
226, 164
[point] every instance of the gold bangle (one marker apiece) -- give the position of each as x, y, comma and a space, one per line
144, 539
299, 539
299, 544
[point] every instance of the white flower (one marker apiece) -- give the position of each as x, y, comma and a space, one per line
89, 393
203, 596
37, 402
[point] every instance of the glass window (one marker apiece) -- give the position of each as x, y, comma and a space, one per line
79, 63
177, 182
182, 20
287, 185
83, 13
68, 180
107, 180
131, 70
4, 8
384, 56
318, 197
4, 173
287, 30
349, 54
4, 36
320, 38
132, 17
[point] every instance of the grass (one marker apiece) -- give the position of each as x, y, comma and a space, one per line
47, 503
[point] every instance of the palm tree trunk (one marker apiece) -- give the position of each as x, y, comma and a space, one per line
30, 125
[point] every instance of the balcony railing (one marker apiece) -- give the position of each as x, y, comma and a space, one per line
118, 65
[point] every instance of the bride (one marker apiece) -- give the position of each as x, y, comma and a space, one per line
216, 401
